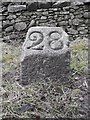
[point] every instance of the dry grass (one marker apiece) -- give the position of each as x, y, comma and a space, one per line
51, 99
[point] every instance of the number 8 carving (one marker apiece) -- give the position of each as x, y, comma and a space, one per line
55, 42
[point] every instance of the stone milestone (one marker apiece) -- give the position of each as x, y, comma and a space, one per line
45, 55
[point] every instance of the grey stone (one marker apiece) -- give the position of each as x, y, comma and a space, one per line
81, 99
20, 26
12, 21
18, 20
0, 24
81, 28
83, 1
76, 22
75, 7
43, 17
43, 20
72, 10
57, 13
62, 3
45, 13
67, 8
5, 3
18, 14
4, 9
62, 23
34, 16
60, 19
16, 8
66, 17
39, 10
13, 36
87, 15
70, 22
55, 9
32, 6
86, 1
72, 16
45, 55
72, 31
6, 23
50, 11
32, 23
77, 2
84, 31
50, 17
10, 17
66, 13
5, 13
53, 24
25, 107
87, 22
55, 17
44, 5
79, 16
9, 29
6, 38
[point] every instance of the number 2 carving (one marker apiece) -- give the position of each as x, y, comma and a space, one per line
36, 38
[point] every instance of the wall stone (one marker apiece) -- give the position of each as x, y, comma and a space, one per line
72, 17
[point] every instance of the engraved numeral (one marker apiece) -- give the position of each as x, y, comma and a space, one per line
55, 42
36, 38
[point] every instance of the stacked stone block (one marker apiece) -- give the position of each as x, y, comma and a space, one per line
18, 17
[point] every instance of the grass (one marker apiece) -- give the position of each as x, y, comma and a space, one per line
41, 99
79, 56
10, 57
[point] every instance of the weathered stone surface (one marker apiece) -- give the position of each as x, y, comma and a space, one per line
32, 23
86, 1
73, 32
77, 2
45, 54
9, 29
6, 23
87, 15
5, 3
16, 8
62, 23
74, 15
62, 3
4, 9
76, 22
20, 26
32, 6
44, 5
43, 18
10, 17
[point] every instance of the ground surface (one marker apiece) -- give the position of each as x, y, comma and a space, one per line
46, 99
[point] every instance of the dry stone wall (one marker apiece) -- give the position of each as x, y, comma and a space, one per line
18, 17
